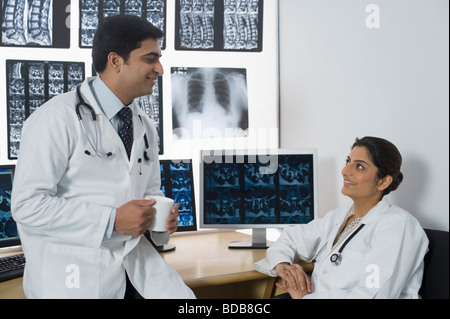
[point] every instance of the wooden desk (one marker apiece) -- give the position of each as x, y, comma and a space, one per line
212, 270
207, 266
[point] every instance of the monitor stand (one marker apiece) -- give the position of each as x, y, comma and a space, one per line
165, 248
259, 241
160, 249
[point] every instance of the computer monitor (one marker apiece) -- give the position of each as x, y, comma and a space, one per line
242, 189
177, 182
9, 237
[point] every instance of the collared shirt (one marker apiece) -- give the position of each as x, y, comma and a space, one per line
111, 106
109, 102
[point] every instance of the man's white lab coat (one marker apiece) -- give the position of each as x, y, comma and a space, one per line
62, 200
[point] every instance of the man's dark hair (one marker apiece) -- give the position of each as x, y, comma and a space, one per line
120, 34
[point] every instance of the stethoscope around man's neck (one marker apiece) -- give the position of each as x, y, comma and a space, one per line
336, 258
81, 103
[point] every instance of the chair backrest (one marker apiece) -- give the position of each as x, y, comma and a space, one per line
435, 284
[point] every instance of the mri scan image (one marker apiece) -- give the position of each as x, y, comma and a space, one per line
29, 85
222, 194
35, 23
93, 12
241, 20
260, 195
219, 25
152, 106
211, 102
89, 20
27, 22
177, 183
8, 227
197, 24
295, 189
251, 192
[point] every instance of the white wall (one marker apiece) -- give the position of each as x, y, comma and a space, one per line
340, 80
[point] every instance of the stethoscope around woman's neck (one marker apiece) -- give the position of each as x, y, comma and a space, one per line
81, 103
336, 258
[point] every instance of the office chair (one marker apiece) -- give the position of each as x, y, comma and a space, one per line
435, 282
436, 272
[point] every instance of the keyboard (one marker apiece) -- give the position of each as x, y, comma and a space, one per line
12, 266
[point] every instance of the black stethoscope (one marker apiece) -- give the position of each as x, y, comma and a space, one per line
336, 258
82, 102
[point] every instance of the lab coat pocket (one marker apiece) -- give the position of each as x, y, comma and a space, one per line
349, 272
71, 271
352, 268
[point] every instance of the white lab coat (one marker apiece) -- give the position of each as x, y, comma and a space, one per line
62, 200
383, 260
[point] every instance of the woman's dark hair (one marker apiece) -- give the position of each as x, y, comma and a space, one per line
120, 34
386, 158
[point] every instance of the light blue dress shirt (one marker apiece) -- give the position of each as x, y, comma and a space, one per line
111, 106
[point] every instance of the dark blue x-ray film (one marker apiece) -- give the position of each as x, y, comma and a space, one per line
177, 183
254, 192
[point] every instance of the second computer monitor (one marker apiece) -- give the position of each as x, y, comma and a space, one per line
258, 190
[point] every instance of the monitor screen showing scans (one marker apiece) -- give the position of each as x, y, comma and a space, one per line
265, 190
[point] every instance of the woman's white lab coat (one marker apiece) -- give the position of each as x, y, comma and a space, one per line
383, 260
62, 200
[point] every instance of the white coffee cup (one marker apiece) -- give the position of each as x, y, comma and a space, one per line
163, 206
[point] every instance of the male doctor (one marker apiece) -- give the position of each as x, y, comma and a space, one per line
78, 194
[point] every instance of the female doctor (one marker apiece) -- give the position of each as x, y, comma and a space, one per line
78, 196
371, 250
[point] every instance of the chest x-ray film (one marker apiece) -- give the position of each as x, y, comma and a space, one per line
35, 23
209, 103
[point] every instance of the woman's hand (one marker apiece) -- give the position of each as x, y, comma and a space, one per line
294, 280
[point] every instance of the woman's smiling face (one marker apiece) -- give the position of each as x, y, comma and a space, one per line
360, 176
